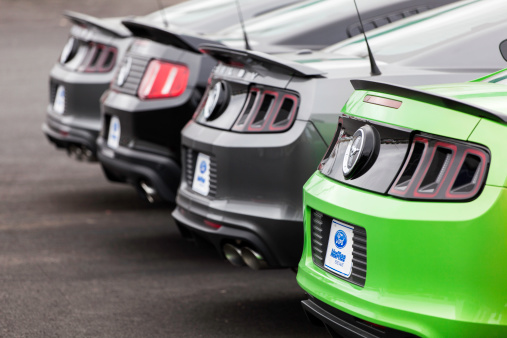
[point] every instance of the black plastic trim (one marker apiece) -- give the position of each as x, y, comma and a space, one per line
183, 41
87, 20
227, 54
342, 324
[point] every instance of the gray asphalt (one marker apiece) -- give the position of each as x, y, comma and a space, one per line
80, 257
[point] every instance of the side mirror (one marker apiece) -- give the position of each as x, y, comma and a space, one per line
503, 49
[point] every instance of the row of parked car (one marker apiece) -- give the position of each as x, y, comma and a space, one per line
401, 230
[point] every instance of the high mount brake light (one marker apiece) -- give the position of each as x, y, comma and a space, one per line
267, 110
441, 169
163, 80
89, 57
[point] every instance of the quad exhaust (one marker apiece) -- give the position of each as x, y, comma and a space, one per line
81, 153
244, 256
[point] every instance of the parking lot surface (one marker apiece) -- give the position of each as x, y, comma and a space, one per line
81, 257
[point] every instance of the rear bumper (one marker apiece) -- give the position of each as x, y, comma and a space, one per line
255, 193
133, 166
64, 136
278, 241
430, 270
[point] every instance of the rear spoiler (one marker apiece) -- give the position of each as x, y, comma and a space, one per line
87, 20
184, 41
431, 98
229, 55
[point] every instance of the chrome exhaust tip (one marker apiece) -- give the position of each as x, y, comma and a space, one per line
71, 151
78, 153
87, 154
149, 192
233, 255
253, 259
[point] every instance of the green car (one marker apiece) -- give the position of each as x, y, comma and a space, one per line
406, 216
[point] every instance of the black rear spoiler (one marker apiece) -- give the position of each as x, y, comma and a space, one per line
431, 98
184, 41
87, 20
229, 55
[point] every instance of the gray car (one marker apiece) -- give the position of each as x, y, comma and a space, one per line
140, 139
248, 153
91, 56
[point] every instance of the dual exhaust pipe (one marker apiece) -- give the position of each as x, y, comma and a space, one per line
81, 153
244, 256
148, 192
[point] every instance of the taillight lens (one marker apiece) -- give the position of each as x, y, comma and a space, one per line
99, 59
267, 110
441, 169
89, 57
163, 80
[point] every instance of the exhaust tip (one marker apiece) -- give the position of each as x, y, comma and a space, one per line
80, 153
233, 255
253, 259
149, 192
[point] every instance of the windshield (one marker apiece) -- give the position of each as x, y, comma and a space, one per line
193, 11
422, 32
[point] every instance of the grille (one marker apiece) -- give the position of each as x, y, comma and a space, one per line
320, 228
190, 160
139, 64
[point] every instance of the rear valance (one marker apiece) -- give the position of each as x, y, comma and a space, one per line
431, 98
248, 58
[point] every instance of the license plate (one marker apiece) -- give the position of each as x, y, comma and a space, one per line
113, 140
339, 249
201, 175
59, 104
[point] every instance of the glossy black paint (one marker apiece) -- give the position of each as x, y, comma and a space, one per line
378, 177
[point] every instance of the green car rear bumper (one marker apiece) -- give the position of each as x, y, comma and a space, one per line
434, 269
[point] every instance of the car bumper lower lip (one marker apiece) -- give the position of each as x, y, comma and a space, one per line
341, 324
65, 136
278, 241
161, 172
429, 267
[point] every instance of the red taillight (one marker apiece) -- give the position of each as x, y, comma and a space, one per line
438, 169
89, 57
267, 110
163, 80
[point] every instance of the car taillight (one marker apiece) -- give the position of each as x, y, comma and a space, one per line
267, 110
100, 58
89, 57
163, 80
441, 169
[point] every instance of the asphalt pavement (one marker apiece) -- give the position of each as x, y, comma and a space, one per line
81, 257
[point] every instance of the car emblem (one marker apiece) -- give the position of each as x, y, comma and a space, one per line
124, 72
216, 101
361, 152
212, 100
340, 239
